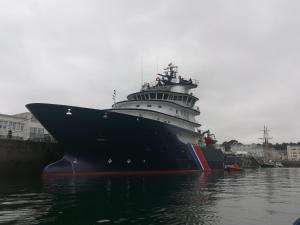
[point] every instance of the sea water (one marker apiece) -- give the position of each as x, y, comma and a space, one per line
250, 197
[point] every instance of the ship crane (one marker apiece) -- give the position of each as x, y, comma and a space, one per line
209, 139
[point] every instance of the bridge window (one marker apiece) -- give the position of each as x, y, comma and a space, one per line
152, 96
170, 97
143, 97
184, 98
139, 97
193, 102
166, 96
134, 97
175, 97
179, 98
159, 95
147, 96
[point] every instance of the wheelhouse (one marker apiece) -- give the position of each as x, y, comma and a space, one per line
167, 100
184, 99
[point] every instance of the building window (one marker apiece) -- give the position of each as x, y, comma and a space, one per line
40, 130
4, 124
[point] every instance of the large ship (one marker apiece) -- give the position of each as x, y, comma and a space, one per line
154, 131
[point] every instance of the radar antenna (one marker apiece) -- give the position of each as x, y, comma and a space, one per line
171, 70
169, 74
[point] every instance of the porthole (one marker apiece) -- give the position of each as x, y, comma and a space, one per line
137, 105
148, 105
159, 106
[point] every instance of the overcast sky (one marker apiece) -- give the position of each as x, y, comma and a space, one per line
245, 54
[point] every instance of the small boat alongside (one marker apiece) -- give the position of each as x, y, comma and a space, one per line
233, 167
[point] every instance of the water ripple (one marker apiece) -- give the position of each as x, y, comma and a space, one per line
265, 196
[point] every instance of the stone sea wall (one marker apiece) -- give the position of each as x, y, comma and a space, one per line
18, 157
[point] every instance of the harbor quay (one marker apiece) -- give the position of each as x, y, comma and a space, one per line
26, 148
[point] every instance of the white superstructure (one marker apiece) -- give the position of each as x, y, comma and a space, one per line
168, 100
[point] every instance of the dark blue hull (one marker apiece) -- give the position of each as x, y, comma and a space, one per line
97, 141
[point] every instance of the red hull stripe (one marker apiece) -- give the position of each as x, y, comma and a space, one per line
123, 173
201, 158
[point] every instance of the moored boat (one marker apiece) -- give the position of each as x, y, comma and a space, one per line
153, 131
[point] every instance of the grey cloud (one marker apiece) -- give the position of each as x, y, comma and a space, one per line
245, 54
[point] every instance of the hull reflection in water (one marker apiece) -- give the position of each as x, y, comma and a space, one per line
169, 199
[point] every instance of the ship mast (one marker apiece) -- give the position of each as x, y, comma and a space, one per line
266, 136
170, 73
266, 148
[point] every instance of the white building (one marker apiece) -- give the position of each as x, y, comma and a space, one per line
252, 149
22, 126
293, 152
267, 153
